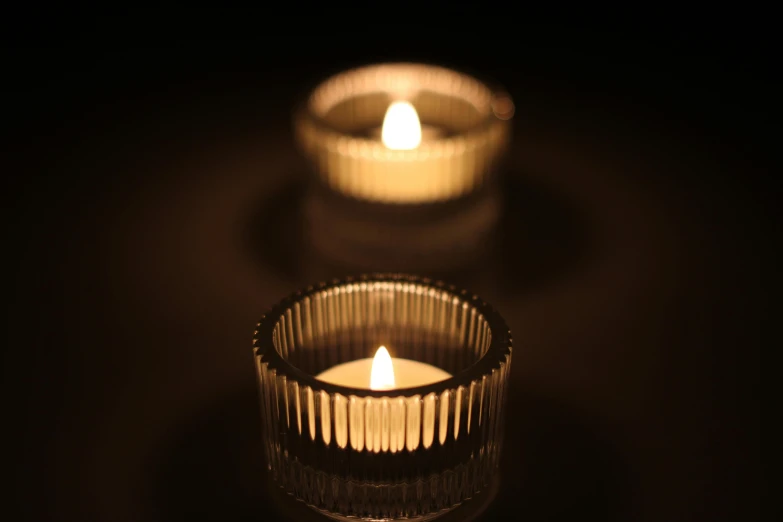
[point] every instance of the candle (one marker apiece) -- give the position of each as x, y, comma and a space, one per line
367, 438
365, 139
402, 129
405, 157
383, 372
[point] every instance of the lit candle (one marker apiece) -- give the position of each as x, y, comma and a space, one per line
382, 372
402, 129
365, 139
393, 427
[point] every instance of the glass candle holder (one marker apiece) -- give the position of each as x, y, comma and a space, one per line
412, 189
463, 125
349, 451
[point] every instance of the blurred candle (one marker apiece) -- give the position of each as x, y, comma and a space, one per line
402, 129
362, 129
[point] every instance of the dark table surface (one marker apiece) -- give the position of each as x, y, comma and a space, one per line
145, 223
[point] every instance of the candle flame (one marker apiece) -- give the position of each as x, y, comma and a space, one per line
382, 372
401, 127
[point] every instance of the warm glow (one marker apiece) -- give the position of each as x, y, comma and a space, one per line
382, 372
401, 127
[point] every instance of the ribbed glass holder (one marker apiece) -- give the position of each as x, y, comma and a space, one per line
410, 453
338, 128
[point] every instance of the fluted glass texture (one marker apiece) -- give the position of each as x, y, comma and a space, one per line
403, 453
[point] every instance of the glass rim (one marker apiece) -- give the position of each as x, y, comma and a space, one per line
500, 346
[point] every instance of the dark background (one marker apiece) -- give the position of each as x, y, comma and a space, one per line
147, 194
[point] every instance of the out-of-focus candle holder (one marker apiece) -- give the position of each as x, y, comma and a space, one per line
417, 209
339, 124
410, 453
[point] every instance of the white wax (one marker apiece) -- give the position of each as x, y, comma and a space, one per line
407, 374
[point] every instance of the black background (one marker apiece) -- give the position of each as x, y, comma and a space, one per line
146, 200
